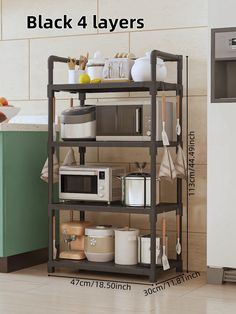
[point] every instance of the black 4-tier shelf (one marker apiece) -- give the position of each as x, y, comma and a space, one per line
153, 87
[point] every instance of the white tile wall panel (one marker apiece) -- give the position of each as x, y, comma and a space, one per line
14, 65
157, 14
15, 17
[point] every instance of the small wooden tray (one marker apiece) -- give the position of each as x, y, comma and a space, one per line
117, 80
72, 255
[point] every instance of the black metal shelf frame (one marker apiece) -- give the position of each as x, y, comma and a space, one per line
152, 87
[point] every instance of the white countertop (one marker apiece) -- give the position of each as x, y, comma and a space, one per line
23, 127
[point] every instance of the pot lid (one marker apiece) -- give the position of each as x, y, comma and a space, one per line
126, 229
97, 59
138, 175
100, 231
78, 111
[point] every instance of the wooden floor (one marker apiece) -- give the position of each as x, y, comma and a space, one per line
32, 291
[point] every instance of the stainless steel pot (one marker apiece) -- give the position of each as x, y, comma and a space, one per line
136, 189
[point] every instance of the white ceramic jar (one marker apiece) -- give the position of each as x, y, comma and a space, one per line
99, 244
141, 70
126, 246
95, 66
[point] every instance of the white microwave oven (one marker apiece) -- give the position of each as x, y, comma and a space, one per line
90, 183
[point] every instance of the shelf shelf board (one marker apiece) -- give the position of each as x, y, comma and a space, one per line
224, 100
225, 59
110, 144
115, 207
109, 266
113, 87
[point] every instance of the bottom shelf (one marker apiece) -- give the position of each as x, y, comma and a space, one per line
111, 267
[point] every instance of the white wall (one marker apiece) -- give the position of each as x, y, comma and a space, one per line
221, 207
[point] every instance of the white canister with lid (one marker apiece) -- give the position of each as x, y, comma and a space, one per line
99, 243
141, 70
95, 66
126, 246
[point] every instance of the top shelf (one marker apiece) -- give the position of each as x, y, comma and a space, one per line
114, 87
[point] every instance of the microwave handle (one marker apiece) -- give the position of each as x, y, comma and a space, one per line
137, 120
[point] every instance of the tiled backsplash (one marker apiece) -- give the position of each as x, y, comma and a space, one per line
174, 26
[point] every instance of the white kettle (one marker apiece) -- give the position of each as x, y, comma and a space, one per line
141, 70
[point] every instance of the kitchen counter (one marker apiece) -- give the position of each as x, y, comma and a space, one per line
23, 127
23, 195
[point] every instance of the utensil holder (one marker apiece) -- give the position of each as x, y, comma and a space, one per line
72, 76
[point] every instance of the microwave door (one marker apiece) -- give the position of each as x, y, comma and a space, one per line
129, 120
119, 122
79, 186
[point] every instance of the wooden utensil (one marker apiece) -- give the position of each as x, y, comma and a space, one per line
178, 245
178, 127
83, 60
165, 262
54, 237
71, 63
165, 139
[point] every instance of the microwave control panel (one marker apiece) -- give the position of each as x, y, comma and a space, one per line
147, 120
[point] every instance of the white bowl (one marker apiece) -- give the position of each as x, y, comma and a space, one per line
9, 112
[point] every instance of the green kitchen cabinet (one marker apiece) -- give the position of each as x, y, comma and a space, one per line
23, 199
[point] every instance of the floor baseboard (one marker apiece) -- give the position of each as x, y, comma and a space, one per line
23, 260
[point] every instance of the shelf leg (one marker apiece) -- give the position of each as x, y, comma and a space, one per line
179, 140
51, 215
82, 98
82, 152
179, 269
153, 215
51, 269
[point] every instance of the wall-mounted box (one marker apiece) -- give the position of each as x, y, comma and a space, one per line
223, 65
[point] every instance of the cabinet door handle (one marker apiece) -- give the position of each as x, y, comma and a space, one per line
137, 120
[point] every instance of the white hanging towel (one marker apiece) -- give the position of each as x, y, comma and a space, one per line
181, 164
167, 168
44, 172
70, 158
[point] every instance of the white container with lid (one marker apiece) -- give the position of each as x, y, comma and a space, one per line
144, 249
126, 246
141, 70
95, 66
99, 243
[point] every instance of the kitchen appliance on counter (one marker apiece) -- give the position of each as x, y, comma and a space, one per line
73, 237
144, 249
126, 246
131, 121
90, 183
78, 123
141, 71
136, 188
99, 243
